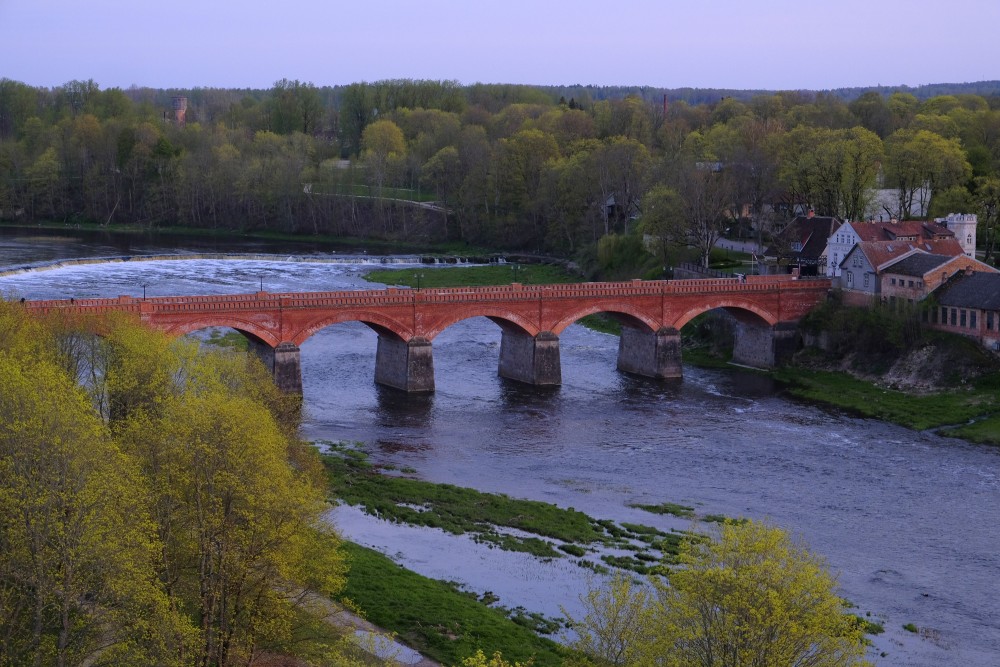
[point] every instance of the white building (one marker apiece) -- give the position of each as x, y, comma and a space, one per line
964, 227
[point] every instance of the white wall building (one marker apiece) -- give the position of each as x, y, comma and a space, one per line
964, 226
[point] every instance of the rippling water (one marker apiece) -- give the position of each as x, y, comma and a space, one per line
908, 519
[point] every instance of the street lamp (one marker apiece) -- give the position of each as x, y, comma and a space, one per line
515, 267
144, 285
419, 276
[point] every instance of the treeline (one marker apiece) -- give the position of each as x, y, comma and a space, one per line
155, 506
556, 170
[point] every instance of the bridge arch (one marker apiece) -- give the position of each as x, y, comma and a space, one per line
382, 324
744, 311
505, 318
249, 329
622, 312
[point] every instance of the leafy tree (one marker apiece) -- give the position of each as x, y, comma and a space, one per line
78, 550
919, 159
987, 197
615, 625
383, 145
752, 597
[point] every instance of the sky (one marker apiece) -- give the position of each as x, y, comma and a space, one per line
736, 44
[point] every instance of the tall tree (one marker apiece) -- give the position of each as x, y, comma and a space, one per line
918, 163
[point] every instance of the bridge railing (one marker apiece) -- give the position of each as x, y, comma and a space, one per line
402, 296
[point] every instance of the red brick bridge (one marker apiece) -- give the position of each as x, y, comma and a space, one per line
530, 317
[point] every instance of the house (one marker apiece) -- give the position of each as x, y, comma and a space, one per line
801, 245
910, 278
844, 238
861, 270
969, 304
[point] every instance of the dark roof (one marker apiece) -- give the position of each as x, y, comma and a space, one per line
812, 232
974, 290
918, 264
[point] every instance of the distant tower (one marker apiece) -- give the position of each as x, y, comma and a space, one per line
666, 106
964, 226
180, 110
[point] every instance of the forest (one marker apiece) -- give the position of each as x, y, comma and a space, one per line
571, 171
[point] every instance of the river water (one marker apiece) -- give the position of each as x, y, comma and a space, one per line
907, 519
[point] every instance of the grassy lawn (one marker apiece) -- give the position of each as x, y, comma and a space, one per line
917, 412
474, 276
437, 619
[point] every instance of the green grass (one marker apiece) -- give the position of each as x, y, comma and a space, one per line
917, 412
983, 431
437, 619
910, 627
473, 276
553, 532
682, 511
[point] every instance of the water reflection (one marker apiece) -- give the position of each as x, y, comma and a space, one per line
395, 408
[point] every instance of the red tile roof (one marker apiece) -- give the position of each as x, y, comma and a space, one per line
910, 229
880, 252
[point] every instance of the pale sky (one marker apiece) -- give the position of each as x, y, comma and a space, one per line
739, 44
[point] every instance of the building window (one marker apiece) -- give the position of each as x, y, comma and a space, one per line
866, 280
944, 315
857, 260
961, 318
989, 320
972, 320
954, 316
892, 281
850, 278
920, 283
911, 284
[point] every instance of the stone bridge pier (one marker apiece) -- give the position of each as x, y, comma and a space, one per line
404, 364
654, 354
763, 346
284, 362
530, 359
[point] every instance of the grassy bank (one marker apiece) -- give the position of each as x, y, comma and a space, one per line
542, 529
438, 618
940, 410
435, 617
473, 276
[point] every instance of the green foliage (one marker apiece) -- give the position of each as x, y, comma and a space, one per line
668, 508
461, 510
753, 596
163, 514
434, 618
473, 276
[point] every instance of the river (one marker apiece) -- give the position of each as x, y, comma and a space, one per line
907, 519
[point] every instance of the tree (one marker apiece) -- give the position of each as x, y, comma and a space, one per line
78, 550
614, 626
918, 161
987, 198
705, 197
382, 145
752, 597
